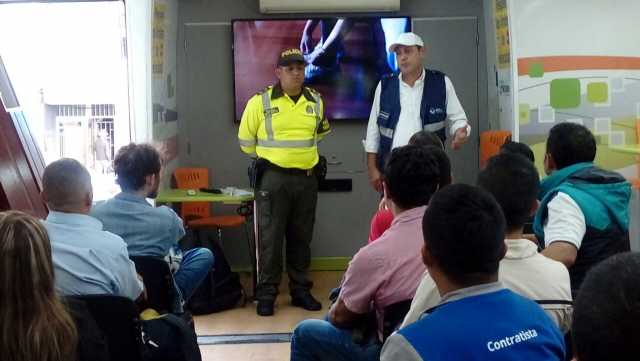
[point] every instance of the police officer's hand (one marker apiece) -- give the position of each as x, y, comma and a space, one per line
375, 179
460, 138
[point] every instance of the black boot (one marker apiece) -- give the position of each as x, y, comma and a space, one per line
265, 307
307, 302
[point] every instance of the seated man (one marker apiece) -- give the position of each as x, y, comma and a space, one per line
584, 210
381, 221
524, 150
477, 318
382, 273
606, 320
147, 230
518, 148
513, 181
86, 259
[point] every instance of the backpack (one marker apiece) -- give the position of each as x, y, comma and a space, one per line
169, 338
92, 342
221, 289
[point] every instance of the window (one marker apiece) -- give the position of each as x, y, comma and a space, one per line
67, 64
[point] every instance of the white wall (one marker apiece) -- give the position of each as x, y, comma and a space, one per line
138, 17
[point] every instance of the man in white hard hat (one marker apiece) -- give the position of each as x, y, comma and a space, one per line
416, 99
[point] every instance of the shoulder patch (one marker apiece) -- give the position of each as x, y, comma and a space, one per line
314, 92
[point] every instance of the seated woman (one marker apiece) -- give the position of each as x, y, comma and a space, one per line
34, 324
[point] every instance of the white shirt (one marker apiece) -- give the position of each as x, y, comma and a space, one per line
409, 121
565, 221
524, 271
88, 260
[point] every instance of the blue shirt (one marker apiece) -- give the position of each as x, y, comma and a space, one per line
88, 260
147, 230
484, 322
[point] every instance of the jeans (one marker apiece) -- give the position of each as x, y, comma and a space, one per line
319, 340
196, 264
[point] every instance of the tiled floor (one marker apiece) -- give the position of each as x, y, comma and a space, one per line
255, 352
245, 321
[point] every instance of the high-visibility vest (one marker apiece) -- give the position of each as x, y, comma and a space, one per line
433, 109
283, 132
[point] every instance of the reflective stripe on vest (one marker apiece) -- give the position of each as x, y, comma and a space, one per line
270, 142
318, 119
434, 127
247, 143
268, 119
287, 143
386, 132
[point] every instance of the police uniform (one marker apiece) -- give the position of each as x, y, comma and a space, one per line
285, 133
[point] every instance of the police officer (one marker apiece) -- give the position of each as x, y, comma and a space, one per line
282, 126
416, 99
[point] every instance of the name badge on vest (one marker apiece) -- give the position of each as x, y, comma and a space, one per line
271, 111
433, 111
309, 109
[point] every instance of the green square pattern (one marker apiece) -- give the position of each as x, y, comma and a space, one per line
565, 93
598, 92
536, 70
524, 113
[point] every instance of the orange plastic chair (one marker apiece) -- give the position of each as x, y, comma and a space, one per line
197, 215
490, 143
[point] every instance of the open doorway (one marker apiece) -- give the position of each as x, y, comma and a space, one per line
67, 63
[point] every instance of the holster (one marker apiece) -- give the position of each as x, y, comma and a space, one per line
255, 171
320, 169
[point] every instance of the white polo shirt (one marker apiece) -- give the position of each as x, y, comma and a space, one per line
522, 270
409, 121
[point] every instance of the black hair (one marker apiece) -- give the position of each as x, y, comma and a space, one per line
571, 143
513, 181
518, 148
443, 164
412, 175
426, 138
430, 140
464, 229
133, 163
606, 314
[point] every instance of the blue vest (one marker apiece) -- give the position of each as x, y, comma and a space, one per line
433, 109
499, 325
603, 198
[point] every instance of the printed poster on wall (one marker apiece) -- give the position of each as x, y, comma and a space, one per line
503, 65
578, 61
502, 34
159, 12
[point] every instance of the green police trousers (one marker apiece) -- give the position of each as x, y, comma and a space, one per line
286, 207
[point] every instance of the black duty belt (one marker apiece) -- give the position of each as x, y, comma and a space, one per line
296, 171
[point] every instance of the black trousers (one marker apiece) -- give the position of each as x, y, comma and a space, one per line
286, 205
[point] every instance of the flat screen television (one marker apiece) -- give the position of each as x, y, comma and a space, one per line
345, 71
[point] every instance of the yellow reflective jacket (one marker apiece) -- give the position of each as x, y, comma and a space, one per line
283, 132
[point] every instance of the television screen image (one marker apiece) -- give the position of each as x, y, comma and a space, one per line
346, 57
